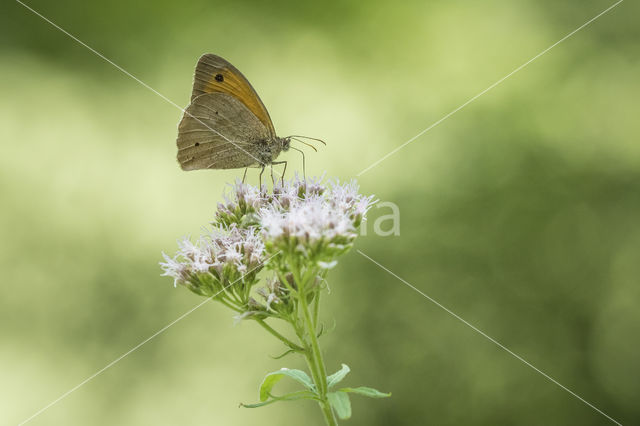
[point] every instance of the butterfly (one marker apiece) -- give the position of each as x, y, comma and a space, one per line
226, 125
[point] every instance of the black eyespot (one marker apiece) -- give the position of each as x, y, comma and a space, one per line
216, 112
219, 77
197, 143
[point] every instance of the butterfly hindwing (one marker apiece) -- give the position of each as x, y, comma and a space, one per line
215, 74
218, 131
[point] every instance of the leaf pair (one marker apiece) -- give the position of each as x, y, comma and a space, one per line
270, 380
338, 399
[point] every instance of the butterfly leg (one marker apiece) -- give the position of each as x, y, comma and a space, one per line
261, 171
244, 177
304, 166
283, 170
273, 182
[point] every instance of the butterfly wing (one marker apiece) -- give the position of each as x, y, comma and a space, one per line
215, 74
217, 131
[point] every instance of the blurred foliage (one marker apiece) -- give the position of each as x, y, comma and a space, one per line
519, 213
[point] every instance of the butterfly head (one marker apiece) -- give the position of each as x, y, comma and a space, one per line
285, 144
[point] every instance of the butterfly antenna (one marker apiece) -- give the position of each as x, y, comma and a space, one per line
303, 142
308, 137
304, 167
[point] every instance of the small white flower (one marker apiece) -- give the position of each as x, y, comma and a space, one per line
272, 298
172, 268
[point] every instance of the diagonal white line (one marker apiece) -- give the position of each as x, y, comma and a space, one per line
61, 397
115, 361
136, 79
487, 89
500, 345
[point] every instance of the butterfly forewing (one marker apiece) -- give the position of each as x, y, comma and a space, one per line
215, 74
218, 131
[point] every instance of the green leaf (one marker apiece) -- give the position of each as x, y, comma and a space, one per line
293, 396
336, 378
283, 354
272, 378
365, 391
259, 404
340, 403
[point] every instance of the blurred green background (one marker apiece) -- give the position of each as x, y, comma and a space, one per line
520, 213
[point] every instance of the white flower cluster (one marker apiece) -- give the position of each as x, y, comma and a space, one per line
306, 217
314, 219
246, 199
215, 259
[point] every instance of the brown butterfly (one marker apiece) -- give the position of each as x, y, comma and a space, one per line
226, 125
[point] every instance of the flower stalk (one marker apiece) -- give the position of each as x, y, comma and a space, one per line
315, 360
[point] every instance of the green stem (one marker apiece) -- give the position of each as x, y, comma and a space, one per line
230, 306
323, 401
315, 347
315, 360
313, 354
316, 310
279, 336
328, 412
230, 293
308, 353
